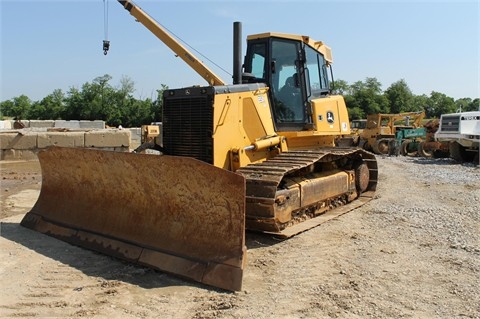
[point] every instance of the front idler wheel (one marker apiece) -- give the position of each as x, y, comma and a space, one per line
362, 177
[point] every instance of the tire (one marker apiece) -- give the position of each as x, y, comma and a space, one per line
381, 146
393, 147
404, 149
362, 177
423, 152
367, 147
459, 153
441, 154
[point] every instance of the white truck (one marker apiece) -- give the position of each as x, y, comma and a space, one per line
462, 130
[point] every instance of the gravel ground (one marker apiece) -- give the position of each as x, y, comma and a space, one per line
411, 252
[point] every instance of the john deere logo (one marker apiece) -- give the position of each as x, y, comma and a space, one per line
330, 117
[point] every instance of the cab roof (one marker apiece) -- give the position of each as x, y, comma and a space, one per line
317, 45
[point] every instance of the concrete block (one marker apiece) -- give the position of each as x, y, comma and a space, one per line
97, 124
39, 123
6, 125
64, 139
107, 138
67, 124
136, 137
14, 140
136, 133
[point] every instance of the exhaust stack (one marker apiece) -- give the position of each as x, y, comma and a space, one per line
237, 53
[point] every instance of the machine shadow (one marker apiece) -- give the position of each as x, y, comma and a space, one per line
254, 240
95, 264
441, 162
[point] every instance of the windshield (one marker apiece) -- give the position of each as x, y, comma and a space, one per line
286, 82
295, 74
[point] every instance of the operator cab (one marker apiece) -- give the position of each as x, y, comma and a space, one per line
295, 72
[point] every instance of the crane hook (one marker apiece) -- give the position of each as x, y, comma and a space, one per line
106, 46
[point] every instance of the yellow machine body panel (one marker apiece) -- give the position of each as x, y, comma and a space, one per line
240, 119
331, 115
331, 120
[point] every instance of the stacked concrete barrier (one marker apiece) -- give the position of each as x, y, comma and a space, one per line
24, 144
96, 124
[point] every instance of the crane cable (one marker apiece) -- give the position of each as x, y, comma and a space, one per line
191, 47
106, 43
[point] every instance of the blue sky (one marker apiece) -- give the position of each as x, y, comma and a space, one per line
48, 45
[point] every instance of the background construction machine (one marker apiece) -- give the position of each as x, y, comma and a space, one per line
258, 154
357, 126
424, 143
462, 133
381, 130
408, 141
354, 138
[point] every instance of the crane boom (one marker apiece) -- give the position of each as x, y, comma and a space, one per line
172, 43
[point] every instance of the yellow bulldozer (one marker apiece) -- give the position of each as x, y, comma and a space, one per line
258, 154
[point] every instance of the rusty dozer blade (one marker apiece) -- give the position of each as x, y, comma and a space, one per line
175, 214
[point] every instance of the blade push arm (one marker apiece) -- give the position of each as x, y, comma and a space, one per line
172, 43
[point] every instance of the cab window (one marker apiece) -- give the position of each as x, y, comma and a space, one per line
286, 84
258, 61
317, 70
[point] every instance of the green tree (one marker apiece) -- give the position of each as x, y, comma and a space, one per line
463, 104
121, 102
127, 85
18, 107
138, 112
440, 104
93, 102
467, 104
420, 103
474, 105
341, 87
368, 97
96, 98
37, 111
51, 107
6, 108
356, 113
400, 97
73, 104
157, 104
